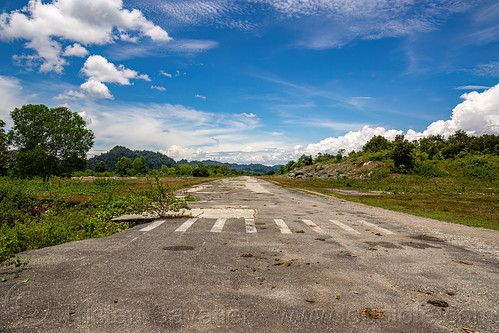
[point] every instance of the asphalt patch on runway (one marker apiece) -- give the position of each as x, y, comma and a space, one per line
386, 245
428, 238
420, 245
178, 248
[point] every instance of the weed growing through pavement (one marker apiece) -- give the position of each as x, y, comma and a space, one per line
162, 201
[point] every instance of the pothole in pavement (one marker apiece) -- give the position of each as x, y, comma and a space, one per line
178, 248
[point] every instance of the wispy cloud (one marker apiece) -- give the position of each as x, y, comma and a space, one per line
165, 74
324, 23
490, 69
200, 97
160, 88
472, 87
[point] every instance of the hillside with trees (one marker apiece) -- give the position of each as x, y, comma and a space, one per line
475, 157
154, 160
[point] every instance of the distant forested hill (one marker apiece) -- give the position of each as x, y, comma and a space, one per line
156, 160
153, 160
239, 167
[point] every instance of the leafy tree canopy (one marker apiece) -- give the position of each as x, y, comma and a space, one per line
124, 167
376, 144
49, 141
139, 166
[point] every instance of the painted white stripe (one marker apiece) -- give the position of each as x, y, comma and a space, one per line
153, 225
388, 232
314, 226
219, 225
186, 225
345, 227
282, 225
250, 226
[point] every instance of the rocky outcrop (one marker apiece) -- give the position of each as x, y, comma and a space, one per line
344, 170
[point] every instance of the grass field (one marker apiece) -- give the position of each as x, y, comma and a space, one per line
472, 203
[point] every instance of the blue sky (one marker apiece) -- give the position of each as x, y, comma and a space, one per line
254, 81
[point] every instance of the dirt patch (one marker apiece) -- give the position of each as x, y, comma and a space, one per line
178, 248
373, 313
386, 245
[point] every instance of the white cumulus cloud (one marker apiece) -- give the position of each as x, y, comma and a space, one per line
99, 69
96, 89
45, 25
75, 50
478, 114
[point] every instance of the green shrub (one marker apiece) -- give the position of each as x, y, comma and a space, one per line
381, 173
479, 168
15, 200
428, 169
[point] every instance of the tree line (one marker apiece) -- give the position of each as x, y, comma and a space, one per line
125, 167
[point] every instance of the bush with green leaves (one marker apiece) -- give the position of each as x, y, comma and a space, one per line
161, 200
479, 168
200, 171
403, 157
15, 200
428, 169
376, 144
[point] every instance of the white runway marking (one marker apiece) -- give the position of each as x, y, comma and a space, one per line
218, 226
388, 232
186, 225
345, 227
250, 226
153, 225
252, 185
314, 226
282, 225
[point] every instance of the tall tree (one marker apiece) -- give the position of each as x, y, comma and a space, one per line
100, 167
49, 141
139, 166
124, 167
403, 157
